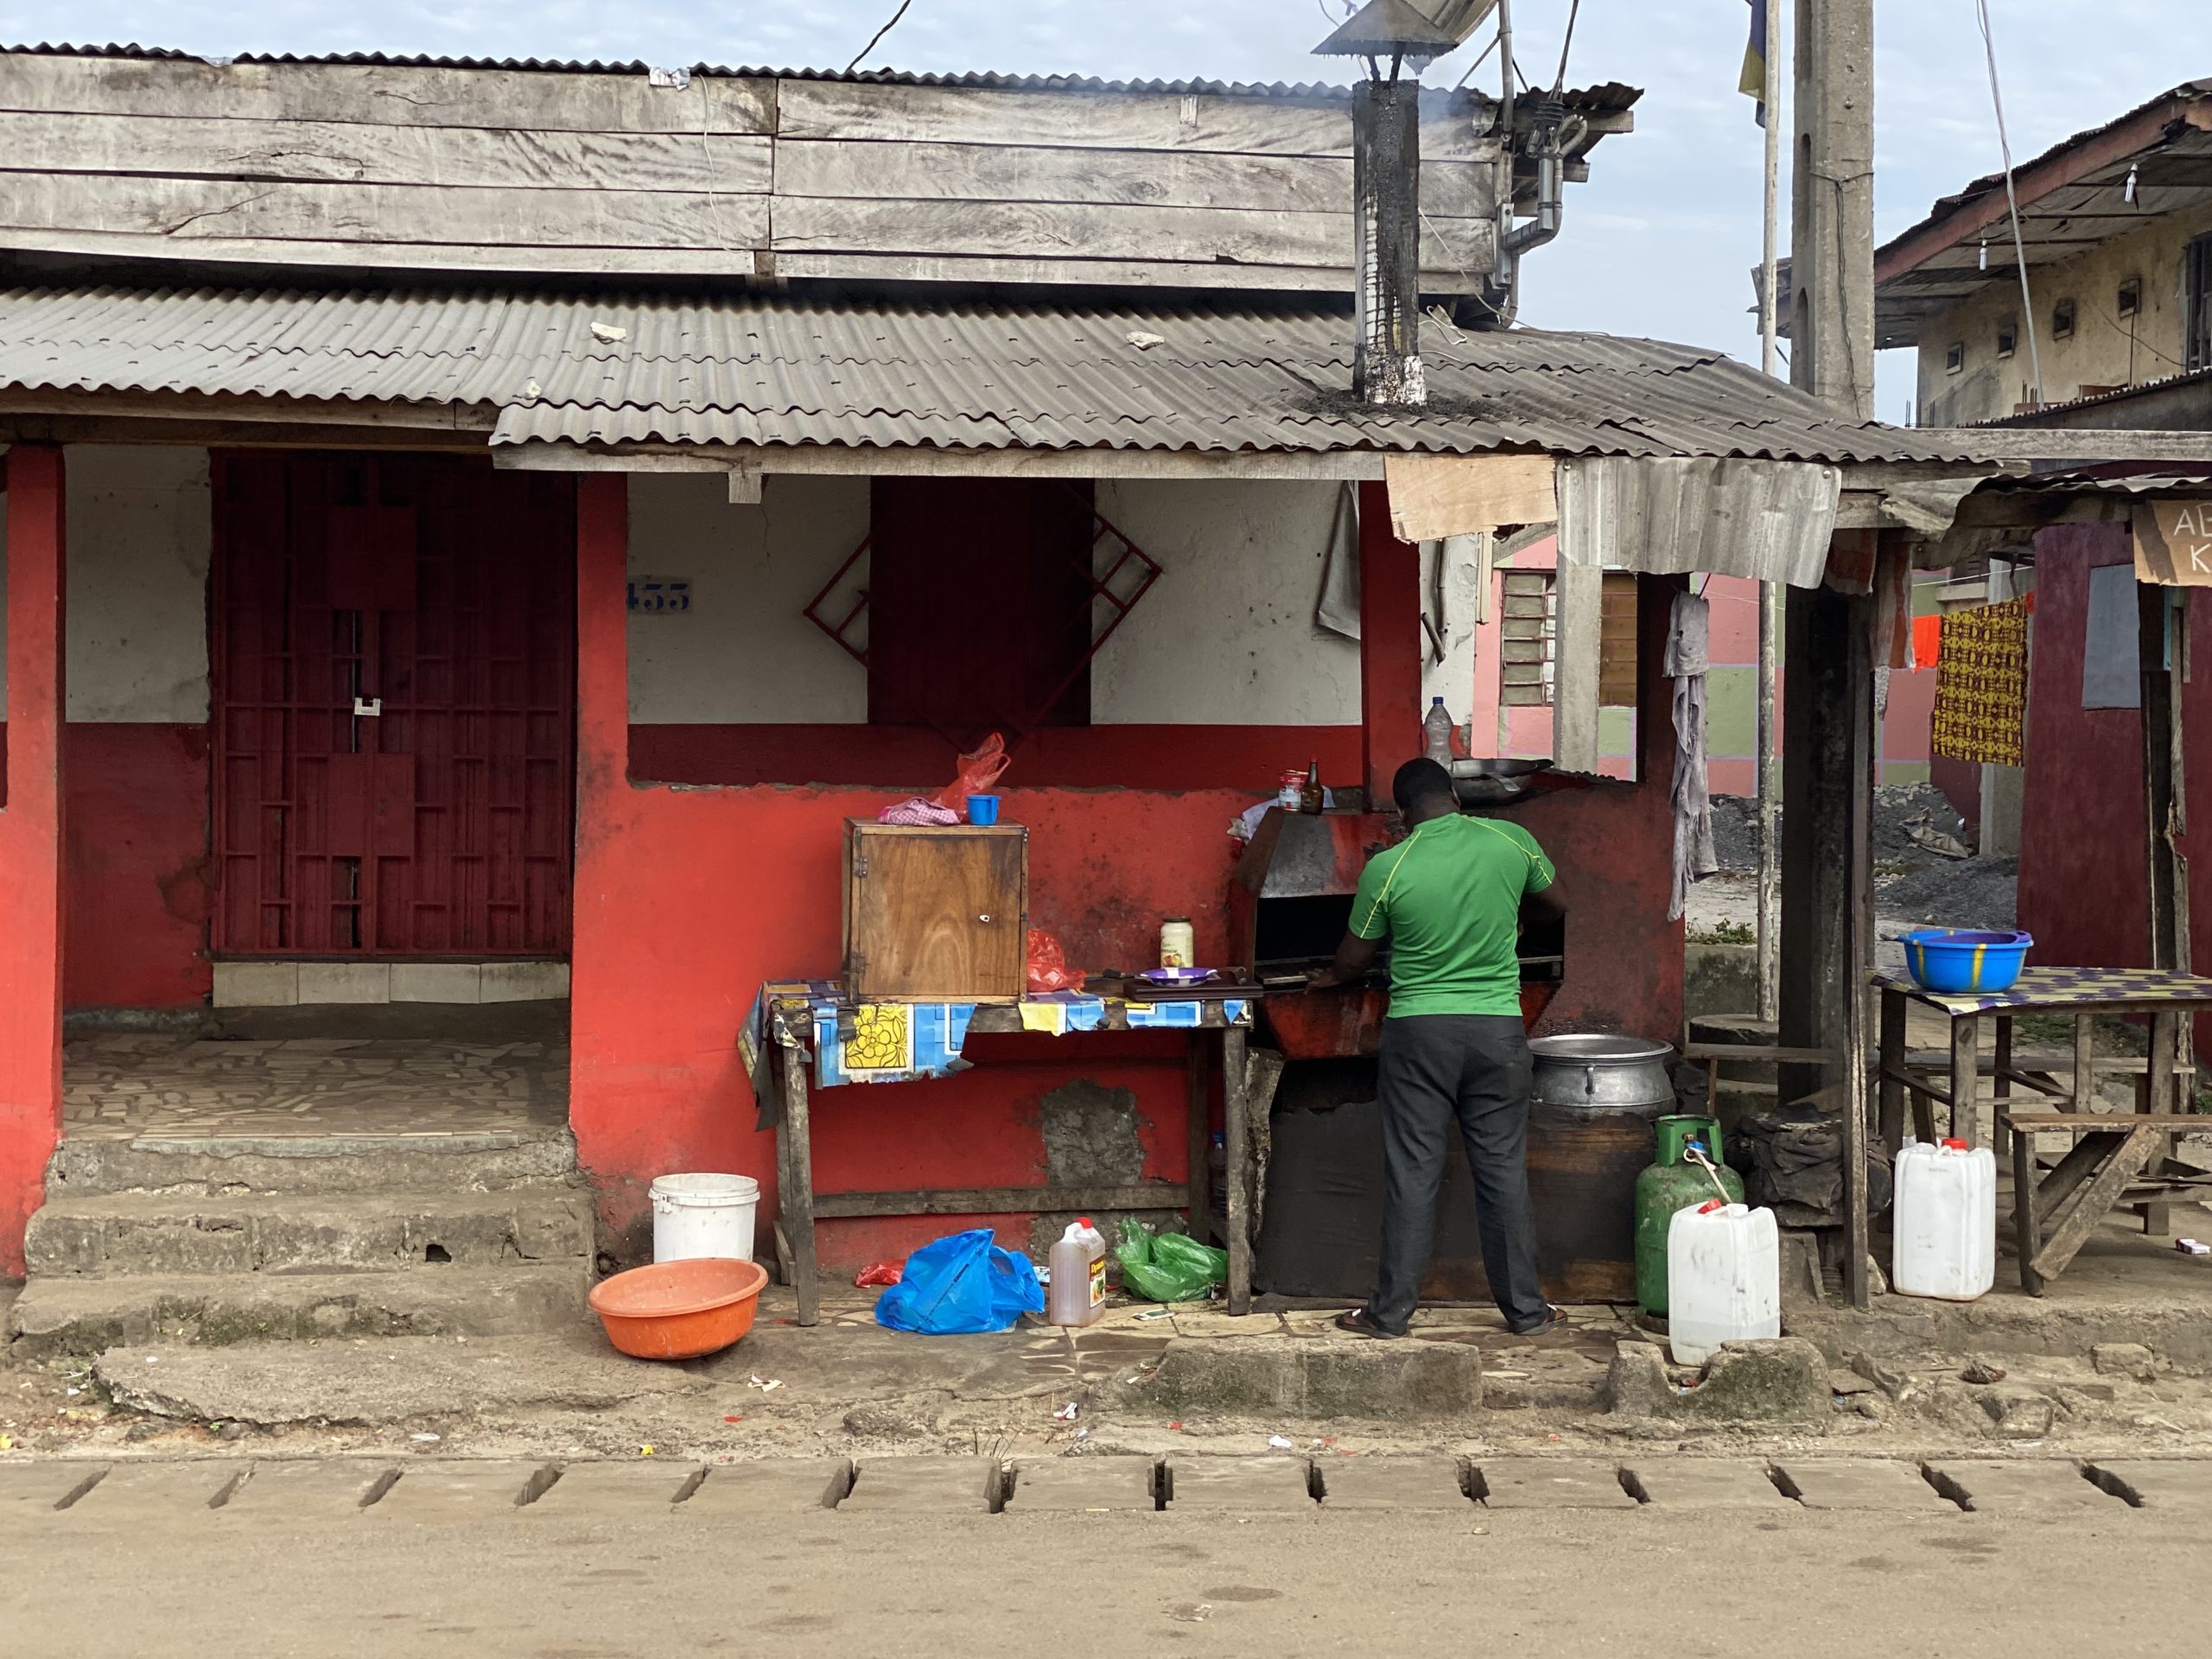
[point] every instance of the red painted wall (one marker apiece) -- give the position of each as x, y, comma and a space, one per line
687, 898
30, 843
2083, 858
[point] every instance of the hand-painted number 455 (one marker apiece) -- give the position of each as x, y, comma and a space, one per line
660, 595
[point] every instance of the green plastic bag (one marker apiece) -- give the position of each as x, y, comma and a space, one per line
1168, 1266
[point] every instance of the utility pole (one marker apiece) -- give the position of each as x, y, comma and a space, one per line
1769, 751
1829, 752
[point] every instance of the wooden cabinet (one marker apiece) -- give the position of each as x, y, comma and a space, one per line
936, 914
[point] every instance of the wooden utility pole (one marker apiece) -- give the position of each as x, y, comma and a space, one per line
1829, 747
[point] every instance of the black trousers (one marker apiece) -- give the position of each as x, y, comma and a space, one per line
1477, 1068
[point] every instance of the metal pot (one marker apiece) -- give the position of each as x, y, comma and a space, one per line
1596, 1071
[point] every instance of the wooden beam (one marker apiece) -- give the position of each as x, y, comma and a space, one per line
236, 407
736, 262
868, 266
861, 463
2068, 443
1002, 1200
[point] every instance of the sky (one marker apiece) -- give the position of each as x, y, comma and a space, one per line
1660, 241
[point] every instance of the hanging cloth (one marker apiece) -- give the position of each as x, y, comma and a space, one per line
1695, 858
1981, 685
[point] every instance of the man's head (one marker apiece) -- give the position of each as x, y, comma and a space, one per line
1423, 791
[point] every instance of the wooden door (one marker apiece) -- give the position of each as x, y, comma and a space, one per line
936, 913
393, 667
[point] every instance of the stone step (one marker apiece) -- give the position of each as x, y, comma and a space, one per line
64, 1314
171, 1232
526, 1155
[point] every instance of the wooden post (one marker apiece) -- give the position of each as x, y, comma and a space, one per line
1238, 1141
1389, 646
2085, 1061
796, 1203
30, 839
2162, 617
1892, 1063
1865, 751
1966, 1077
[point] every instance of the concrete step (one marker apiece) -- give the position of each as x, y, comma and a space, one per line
494, 1160
174, 1232
79, 1315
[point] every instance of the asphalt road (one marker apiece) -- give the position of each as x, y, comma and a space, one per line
1688, 1557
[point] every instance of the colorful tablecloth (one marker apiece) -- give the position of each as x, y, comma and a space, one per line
2058, 990
898, 1042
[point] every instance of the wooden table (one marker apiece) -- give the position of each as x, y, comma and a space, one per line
796, 1017
2054, 1213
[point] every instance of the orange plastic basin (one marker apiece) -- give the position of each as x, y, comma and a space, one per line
679, 1310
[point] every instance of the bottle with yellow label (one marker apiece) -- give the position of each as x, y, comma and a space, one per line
1179, 945
1077, 1295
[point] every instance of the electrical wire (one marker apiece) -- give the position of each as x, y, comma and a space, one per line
1566, 47
2012, 199
878, 35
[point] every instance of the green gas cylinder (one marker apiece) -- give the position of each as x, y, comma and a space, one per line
1673, 1183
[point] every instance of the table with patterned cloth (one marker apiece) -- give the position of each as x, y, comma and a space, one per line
802, 1035
2112, 1160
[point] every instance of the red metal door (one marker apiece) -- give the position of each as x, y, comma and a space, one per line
394, 665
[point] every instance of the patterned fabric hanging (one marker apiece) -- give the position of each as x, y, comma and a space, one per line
1981, 685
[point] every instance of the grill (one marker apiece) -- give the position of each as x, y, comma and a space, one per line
1289, 903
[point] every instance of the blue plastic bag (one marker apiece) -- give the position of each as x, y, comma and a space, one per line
961, 1284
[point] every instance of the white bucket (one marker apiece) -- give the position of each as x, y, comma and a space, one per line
703, 1216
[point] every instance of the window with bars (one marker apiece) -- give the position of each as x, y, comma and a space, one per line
1528, 644
2196, 319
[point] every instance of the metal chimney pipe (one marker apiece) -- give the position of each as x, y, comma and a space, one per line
1386, 371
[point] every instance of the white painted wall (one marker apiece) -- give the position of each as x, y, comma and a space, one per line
745, 652
1226, 637
139, 529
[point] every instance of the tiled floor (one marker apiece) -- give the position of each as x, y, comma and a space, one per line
119, 1087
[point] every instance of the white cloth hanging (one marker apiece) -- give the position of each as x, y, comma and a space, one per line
1685, 662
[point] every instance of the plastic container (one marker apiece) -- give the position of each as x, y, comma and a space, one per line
1724, 1279
1077, 1294
1943, 1222
1951, 962
696, 1217
1436, 733
982, 810
1672, 1183
679, 1310
1178, 944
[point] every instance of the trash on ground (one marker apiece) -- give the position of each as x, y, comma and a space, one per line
731, 1418
961, 1284
2192, 1246
1155, 1313
1983, 1372
768, 1386
1065, 1414
425, 1438
877, 1274
1281, 1442
1168, 1266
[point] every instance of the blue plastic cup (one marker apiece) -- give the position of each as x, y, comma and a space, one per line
982, 810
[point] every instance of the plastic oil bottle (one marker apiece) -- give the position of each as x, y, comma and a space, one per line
1079, 1269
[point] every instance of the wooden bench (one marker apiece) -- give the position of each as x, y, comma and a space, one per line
2102, 1170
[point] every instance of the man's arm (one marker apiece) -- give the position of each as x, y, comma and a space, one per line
1355, 956
1543, 906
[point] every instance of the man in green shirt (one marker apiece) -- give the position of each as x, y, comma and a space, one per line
1450, 899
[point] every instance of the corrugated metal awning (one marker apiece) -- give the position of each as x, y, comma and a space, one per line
761, 370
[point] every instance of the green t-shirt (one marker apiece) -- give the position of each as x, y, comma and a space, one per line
1448, 897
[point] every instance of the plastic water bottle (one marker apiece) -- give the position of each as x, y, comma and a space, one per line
1944, 1221
1077, 1292
1724, 1279
1437, 732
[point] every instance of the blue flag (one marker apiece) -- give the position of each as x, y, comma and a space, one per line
1752, 82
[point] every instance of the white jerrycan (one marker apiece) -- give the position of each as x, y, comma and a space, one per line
1724, 1279
1944, 1221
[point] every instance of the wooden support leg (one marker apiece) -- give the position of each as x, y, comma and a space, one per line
2085, 1061
2000, 1086
1199, 1108
1891, 1089
2158, 1219
2028, 1238
1966, 1077
797, 1203
1237, 1137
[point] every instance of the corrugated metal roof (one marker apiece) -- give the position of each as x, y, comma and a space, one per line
1612, 96
759, 370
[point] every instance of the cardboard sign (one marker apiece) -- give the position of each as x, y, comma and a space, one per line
2173, 544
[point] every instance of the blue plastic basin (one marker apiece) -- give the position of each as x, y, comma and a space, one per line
1952, 960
